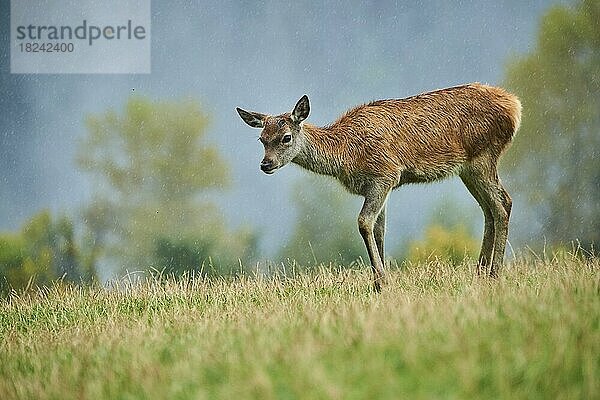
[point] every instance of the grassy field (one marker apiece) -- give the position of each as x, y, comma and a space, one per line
435, 331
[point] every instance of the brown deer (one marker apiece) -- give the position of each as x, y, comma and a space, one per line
380, 146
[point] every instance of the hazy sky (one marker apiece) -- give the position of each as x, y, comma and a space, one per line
261, 56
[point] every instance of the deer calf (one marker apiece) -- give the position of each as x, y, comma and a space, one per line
380, 146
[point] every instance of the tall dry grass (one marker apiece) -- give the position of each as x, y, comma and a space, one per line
436, 331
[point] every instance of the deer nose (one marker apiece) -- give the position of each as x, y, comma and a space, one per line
266, 165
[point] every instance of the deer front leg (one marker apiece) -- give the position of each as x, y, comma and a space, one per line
372, 207
379, 232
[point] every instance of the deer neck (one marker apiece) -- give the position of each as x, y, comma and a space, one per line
320, 151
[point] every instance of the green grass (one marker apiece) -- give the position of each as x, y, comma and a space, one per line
435, 331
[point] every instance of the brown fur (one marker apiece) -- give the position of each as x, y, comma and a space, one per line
377, 147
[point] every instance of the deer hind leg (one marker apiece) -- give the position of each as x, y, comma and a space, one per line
369, 214
487, 245
502, 238
484, 177
379, 232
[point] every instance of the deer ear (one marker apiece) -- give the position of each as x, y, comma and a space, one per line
301, 110
255, 120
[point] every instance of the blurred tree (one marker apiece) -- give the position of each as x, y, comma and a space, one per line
448, 235
12, 262
156, 171
43, 251
326, 228
557, 149
450, 244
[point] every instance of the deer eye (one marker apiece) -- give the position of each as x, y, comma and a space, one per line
286, 138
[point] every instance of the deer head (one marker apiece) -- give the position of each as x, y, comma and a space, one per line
281, 134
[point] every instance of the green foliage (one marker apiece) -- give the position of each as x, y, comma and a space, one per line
448, 244
434, 332
181, 255
555, 154
326, 228
153, 148
448, 236
43, 251
156, 171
